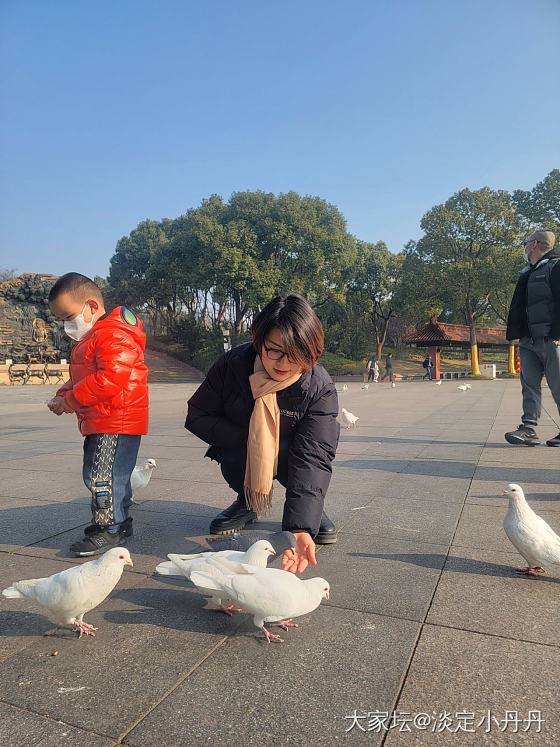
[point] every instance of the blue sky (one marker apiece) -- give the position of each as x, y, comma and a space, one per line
113, 112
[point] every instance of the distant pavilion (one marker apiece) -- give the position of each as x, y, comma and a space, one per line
436, 335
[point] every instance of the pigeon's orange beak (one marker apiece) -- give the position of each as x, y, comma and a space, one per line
272, 552
504, 492
130, 563
326, 595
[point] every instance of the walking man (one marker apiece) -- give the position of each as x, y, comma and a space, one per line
534, 319
428, 365
388, 368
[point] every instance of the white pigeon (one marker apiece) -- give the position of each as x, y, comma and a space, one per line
75, 591
270, 594
141, 476
365, 386
468, 386
438, 382
348, 418
393, 384
232, 561
462, 387
345, 387
529, 533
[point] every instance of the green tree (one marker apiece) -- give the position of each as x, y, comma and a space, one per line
373, 287
540, 206
464, 245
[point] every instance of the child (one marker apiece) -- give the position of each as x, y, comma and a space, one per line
108, 391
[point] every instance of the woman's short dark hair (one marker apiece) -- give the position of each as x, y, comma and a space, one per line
302, 333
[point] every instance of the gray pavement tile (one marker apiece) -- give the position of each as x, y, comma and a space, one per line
19, 727
376, 574
58, 463
406, 519
23, 522
41, 485
370, 462
150, 635
520, 474
193, 469
455, 451
426, 487
541, 497
479, 590
481, 527
169, 491
440, 468
456, 671
298, 692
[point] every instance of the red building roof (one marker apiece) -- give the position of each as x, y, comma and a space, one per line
439, 333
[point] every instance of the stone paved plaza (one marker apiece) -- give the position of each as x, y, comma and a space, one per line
426, 614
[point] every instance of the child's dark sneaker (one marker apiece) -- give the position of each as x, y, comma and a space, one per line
523, 436
554, 441
97, 541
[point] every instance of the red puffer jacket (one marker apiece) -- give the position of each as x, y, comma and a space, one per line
108, 386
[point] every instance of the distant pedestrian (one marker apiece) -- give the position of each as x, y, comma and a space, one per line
375, 371
388, 368
372, 364
427, 364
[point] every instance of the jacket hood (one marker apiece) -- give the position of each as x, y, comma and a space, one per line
125, 319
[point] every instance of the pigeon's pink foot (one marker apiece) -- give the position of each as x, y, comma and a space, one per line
230, 609
286, 624
84, 628
271, 636
531, 571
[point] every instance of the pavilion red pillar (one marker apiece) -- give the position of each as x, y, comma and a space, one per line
434, 352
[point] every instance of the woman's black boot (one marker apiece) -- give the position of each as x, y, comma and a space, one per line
327, 534
233, 518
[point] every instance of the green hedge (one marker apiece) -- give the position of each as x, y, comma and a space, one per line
339, 365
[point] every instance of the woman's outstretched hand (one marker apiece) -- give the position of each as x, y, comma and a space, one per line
297, 560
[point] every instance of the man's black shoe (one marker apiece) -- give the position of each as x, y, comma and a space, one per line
523, 436
327, 534
125, 528
234, 517
97, 542
554, 441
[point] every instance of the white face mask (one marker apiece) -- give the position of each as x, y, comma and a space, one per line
78, 327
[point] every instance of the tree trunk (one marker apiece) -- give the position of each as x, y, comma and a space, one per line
380, 335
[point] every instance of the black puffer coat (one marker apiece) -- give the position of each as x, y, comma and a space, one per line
220, 410
518, 322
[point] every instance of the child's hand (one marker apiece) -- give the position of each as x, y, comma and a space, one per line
58, 405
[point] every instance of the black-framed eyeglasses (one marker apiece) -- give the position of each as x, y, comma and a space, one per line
275, 355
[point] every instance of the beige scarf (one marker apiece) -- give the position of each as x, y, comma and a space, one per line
264, 438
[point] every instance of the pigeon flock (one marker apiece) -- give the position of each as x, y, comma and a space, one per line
271, 595
234, 572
